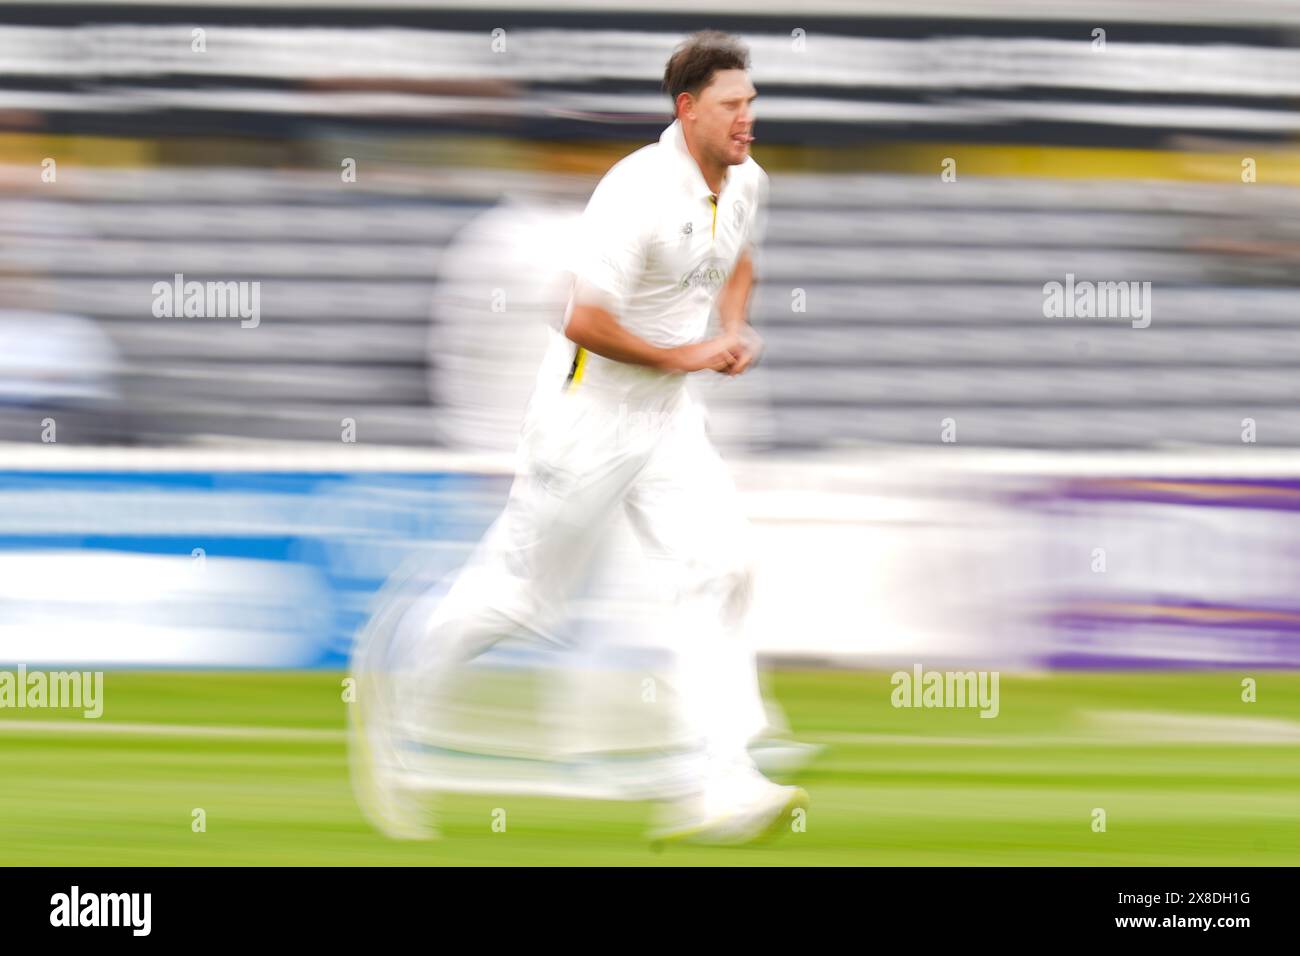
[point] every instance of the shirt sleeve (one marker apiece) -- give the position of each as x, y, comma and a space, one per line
609, 248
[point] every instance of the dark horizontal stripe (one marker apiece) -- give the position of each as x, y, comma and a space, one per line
818, 89
279, 126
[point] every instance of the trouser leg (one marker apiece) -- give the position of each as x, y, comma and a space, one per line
685, 509
520, 578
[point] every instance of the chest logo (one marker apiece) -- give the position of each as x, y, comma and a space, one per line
709, 275
688, 228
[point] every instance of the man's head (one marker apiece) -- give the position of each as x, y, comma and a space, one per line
707, 78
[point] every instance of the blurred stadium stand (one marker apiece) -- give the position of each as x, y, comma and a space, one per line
923, 297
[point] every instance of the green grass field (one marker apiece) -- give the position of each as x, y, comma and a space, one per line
1186, 772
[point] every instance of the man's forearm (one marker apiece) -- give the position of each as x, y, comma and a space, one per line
596, 330
733, 301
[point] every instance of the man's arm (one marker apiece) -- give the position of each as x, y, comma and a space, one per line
733, 313
597, 330
733, 300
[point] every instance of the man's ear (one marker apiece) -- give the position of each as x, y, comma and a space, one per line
685, 103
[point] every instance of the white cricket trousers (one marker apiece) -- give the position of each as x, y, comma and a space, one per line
582, 459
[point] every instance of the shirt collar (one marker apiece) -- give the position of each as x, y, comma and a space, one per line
675, 140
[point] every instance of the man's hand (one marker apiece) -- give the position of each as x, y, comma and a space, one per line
719, 354
749, 348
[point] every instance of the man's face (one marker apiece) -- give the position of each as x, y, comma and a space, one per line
723, 117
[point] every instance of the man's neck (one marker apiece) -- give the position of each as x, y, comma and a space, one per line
713, 172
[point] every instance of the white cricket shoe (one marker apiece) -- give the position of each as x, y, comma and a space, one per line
746, 808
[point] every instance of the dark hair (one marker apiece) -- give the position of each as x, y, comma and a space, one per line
691, 67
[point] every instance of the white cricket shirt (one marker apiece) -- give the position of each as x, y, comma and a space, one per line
656, 248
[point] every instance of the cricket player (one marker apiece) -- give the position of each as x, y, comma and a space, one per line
668, 239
